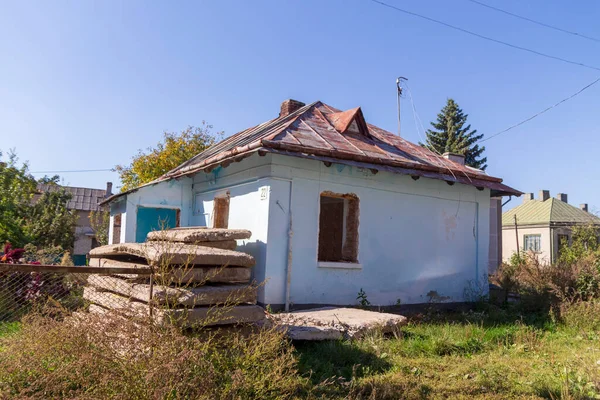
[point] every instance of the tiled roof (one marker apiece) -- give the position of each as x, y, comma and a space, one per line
551, 211
319, 131
82, 199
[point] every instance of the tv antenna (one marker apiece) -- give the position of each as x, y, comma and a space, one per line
399, 81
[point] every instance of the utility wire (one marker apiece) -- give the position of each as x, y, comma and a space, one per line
73, 170
485, 37
556, 28
542, 112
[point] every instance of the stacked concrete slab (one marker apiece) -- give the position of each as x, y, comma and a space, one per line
198, 278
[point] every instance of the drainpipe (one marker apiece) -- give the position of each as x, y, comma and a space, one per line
288, 274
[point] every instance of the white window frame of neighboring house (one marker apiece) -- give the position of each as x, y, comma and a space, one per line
537, 240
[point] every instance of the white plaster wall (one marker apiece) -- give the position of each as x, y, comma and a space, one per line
509, 241
248, 184
415, 237
175, 193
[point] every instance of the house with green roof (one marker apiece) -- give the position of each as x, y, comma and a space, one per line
542, 225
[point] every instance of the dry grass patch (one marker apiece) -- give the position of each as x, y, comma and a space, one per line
118, 358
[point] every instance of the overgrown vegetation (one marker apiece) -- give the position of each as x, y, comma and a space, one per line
573, 278
99, 222
88, 358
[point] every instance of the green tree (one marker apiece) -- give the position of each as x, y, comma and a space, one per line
17, 187
49, 222
172, 151
451, 133
100, 221
42, 222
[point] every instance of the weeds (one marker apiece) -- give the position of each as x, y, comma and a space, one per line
74, 358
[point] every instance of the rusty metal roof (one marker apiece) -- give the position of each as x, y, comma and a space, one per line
322, 132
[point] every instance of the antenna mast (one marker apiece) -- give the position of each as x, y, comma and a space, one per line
399, 81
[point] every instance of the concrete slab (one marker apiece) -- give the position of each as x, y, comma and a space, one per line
225, 244
164, 253
189, 317
180, 276
334, 323
197, 235
191, 296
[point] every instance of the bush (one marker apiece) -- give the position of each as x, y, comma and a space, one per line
112, 357
574, 277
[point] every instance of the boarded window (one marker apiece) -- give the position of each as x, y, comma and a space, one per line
338, 227
116, 236
221, 212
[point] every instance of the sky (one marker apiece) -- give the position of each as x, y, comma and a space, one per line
85, 84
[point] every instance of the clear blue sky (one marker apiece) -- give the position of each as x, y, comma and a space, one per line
85, 84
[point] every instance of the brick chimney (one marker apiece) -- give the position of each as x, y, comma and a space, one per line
108, 189
527, 197
544, 195
562, 197
289, 106
457, 158
584, 207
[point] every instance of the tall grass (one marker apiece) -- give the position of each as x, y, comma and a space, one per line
111, 357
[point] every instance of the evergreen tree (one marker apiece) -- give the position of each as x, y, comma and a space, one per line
451, 135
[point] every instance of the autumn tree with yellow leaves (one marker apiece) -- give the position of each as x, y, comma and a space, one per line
172, 151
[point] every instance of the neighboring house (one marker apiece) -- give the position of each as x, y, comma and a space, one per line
542, 225
335, 206
83, 201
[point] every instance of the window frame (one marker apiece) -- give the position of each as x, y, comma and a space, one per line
526, 237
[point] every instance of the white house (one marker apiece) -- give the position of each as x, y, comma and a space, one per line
543, 226
335, 205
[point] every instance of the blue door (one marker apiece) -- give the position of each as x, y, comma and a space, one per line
154, 219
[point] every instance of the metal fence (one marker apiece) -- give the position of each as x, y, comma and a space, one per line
27, 288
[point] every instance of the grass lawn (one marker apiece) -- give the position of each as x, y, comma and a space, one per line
496, 354
469, 355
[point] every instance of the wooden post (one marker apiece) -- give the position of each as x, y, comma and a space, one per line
517, 237
150, 295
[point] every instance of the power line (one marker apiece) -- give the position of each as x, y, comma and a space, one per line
73, 170
556, 28
542, 112
485, 37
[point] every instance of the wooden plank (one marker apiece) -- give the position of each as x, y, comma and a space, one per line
165, 253
203, 295
182, 276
